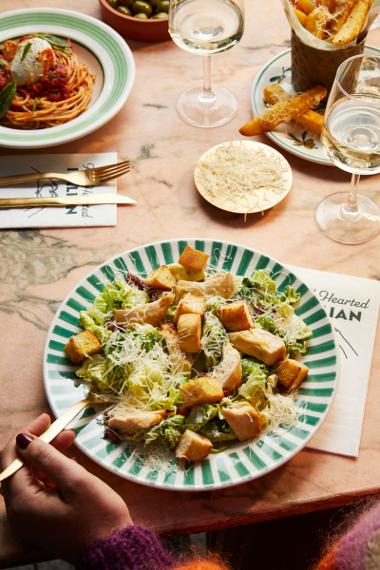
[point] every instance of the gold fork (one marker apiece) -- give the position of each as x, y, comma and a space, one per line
87, 177
53, 430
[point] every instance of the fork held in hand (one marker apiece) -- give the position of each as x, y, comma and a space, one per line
87, 177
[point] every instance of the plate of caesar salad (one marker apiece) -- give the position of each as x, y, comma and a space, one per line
215, 363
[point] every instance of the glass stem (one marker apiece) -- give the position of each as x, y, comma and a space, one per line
352, 200
207, 96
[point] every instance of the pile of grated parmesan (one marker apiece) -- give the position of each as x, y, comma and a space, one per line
243, 176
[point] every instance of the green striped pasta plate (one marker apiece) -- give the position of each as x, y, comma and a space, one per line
237, 463
99, 47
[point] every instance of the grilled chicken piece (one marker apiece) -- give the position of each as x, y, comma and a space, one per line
193, 447
161, 278
229, 371
149, 313
182, 361
235, 316
193, 259
191, 303
82, 345
221, 284
202, 390
189, 328
259, 343
291, 373
130, 421
243, 420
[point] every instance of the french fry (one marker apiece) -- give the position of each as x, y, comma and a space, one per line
302, 17
353, 25
317, 22
311, 121
305, 6
342, 11
284, 111
329, 4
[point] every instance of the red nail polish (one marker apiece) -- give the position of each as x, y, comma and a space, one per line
23, 440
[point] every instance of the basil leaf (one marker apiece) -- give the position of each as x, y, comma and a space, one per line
54, 40
26, 50
3, 64
6, 97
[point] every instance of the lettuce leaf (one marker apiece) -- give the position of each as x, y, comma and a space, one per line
200, 416
168, 431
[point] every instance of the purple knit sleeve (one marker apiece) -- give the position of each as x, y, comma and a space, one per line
132, 548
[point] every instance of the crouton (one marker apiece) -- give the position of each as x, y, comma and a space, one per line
193, 447
243, 419
191, 303
150, 313
193, 259
235, 316
189, 328
82, 345
291, 373
161, 278
259, 343
202, 390
229, 372
130, 421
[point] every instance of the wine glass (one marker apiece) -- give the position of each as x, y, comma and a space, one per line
351, 138
206, 27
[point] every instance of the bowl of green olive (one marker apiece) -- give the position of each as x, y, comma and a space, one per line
142, 20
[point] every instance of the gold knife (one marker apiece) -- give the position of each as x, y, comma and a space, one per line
54, 429
64, 201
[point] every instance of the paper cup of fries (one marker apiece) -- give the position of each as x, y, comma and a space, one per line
325, 33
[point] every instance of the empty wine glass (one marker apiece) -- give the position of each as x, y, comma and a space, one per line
351, 138
206, 27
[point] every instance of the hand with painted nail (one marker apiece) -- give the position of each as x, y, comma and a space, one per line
53, 502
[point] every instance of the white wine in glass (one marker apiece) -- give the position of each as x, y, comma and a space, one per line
206, 27
351, 138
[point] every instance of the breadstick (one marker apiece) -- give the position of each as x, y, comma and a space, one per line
284, 111
311, 121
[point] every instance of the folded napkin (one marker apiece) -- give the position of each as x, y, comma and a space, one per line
72, 216
352, 303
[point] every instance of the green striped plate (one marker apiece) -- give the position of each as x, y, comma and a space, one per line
98, 46
242, 461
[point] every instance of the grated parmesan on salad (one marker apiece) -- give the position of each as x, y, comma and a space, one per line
217, 366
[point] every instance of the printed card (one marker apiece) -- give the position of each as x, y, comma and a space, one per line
71, 216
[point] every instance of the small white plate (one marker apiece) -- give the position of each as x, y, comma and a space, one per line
291, 137
99, 47
225, 186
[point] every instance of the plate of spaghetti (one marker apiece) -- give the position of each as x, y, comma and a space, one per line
63, 74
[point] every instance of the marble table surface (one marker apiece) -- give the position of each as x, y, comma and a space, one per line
39, 268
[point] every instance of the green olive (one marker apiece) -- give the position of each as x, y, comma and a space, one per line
163, 6
160, 15
141, 16
127, 3
141, 7
113, 3
124, 10
154, 3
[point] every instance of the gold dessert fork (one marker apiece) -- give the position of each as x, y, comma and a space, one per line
86, 177
53, 430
